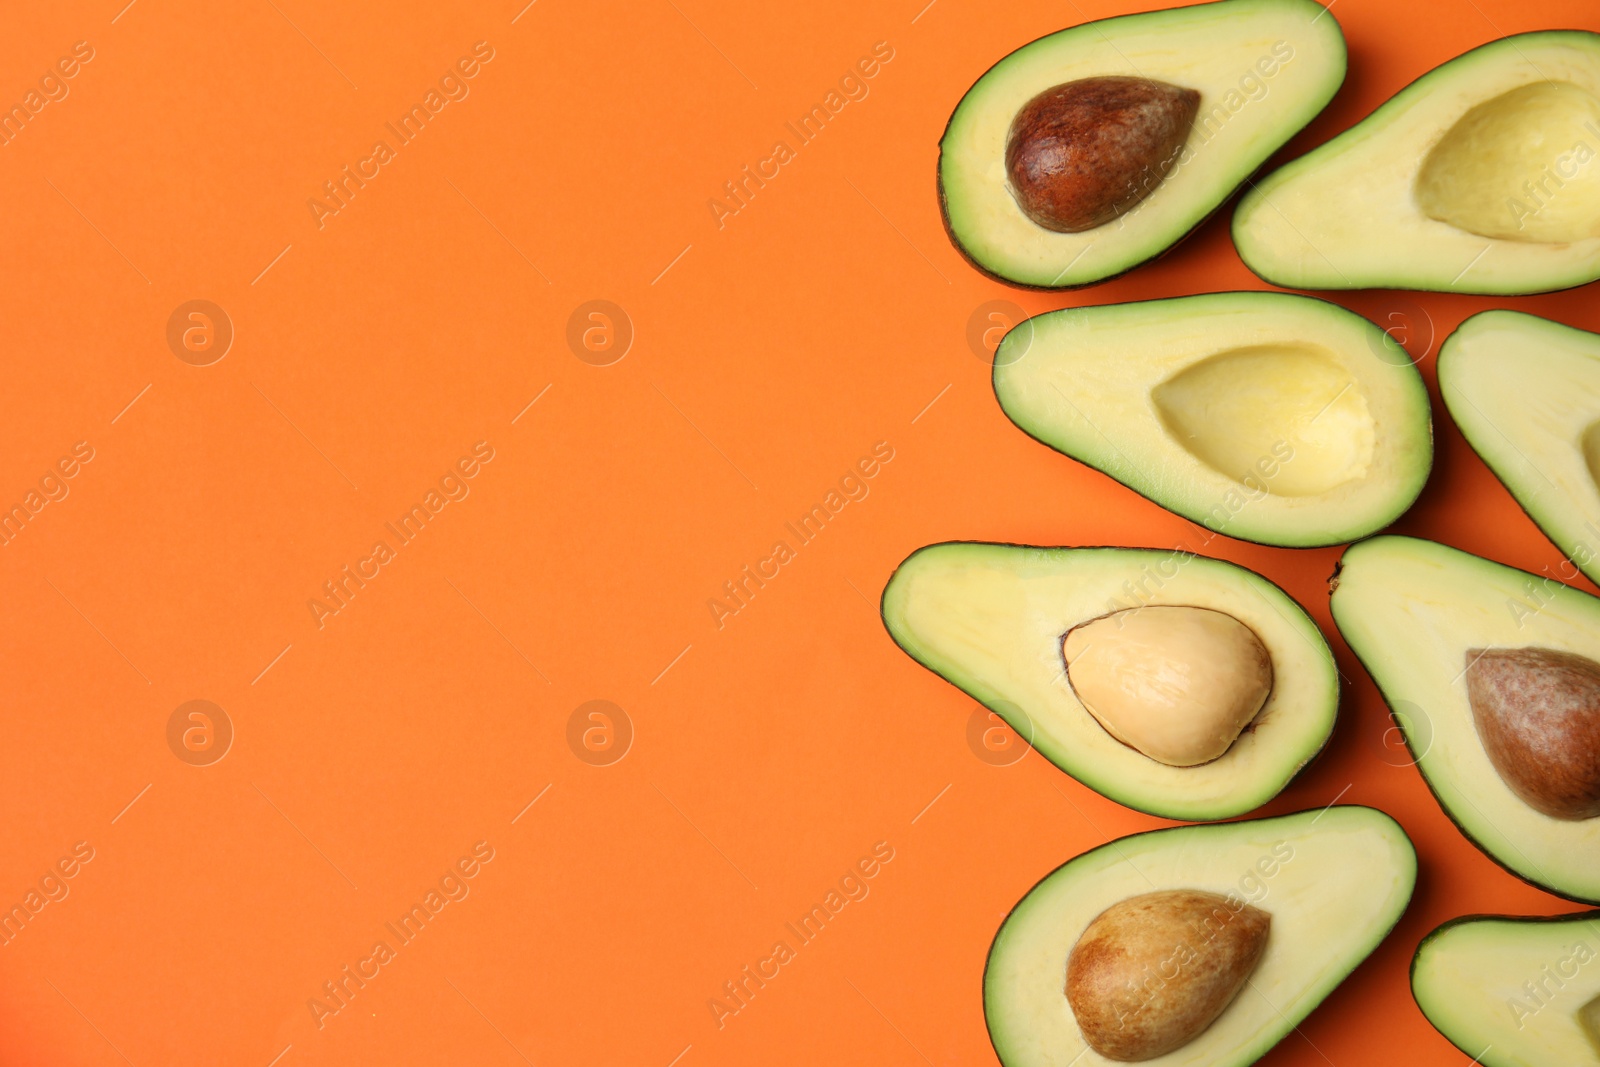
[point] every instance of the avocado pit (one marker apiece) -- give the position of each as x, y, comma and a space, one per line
1082, 153
1537, 712
1150, 973
1177, 683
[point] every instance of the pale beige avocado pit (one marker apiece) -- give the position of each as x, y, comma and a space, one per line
1287, 418
1152, 972
1520, 166
1176, 683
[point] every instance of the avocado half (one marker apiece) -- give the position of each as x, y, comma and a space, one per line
1525, 393
1508, 206
1335, 882
1508, 990
1268, 417
990, 618
1263, 68
1410, 610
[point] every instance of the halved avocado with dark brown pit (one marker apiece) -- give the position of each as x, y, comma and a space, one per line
1092, 150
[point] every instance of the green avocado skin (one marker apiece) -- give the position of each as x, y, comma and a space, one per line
1434, 1004
950, 206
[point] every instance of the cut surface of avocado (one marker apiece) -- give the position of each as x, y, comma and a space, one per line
992, 618
1525, 393
1482, 176
1412, 610
1262, 69
1268, 417
1511, 991
1335, 882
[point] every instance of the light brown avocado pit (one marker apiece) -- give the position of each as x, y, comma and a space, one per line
1150, 973
1537, 711
1081, 154
1174, 682
1589, 1021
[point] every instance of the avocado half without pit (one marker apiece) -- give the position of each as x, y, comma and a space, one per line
1482, 176
1514, 991
1268, 417
1493, 675
1200, 946
1087, 152
1525, 392
1186, 687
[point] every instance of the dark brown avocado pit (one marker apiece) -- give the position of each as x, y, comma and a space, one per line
1151, 972
1537, 711
1084, 152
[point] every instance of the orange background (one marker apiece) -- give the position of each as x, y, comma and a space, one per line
768, 356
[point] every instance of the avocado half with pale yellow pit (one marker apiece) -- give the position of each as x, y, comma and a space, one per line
1182, 686
1196, 946
1482, 176
1514, 991
1085, 153
1268, 417
1493, 675
1525, 393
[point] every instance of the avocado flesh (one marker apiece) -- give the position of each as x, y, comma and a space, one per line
1511, 991
1269, 417
1222, 50
1410, 610
1525, 393
1335, 881
1482, 176
990, 619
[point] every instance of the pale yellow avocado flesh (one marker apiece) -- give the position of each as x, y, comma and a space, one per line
1482, 176
1520, 167
1231, 409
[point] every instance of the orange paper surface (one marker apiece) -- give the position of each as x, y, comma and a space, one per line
588, 475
